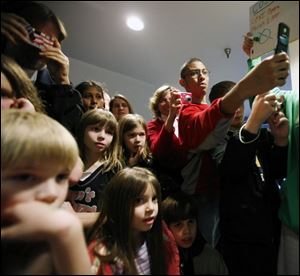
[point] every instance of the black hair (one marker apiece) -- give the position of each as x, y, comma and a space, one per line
220, 89
35, 13
83, 86
184, 68
178, 206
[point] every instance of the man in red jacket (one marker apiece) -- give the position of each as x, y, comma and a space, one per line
202, 126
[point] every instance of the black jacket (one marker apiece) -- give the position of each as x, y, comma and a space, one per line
62, 101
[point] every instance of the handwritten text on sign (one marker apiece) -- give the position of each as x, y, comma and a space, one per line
264, 19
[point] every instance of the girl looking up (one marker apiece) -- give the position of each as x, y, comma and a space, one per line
128, 235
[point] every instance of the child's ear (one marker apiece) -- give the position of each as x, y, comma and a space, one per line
182, 82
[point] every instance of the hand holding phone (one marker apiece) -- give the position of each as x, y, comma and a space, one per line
38, 39
282, 38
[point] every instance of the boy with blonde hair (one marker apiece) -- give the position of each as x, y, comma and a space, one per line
38, 160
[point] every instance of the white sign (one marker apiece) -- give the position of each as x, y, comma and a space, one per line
264, 19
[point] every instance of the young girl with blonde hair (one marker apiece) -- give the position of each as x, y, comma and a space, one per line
134, 151
133, 146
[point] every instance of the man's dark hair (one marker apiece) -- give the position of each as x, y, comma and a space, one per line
184, 68
178, 206
220, 89
35, 13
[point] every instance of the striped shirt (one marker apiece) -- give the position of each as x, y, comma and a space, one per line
142, 260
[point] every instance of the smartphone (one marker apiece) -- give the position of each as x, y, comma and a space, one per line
186, 97
282, 38
37, 38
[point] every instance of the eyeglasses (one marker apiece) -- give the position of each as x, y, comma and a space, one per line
197, 72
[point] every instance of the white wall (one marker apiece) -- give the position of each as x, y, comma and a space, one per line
294, 64
137, 92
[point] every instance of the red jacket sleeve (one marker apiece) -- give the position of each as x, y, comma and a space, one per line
197, 121
165, 145
173, 259
97, 267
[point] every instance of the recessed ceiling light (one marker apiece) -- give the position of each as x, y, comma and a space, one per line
135, 23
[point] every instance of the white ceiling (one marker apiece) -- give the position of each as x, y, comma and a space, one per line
174, 31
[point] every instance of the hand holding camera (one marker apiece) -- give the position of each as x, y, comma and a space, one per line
57, 62
186, 97
50, 49
39, 39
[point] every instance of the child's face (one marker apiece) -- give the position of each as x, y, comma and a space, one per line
92, 98
42, 184
184, 232
145, 211
119, 108
97, 139
135, 139
238, 117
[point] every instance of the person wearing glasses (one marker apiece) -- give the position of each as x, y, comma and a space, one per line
202, 126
